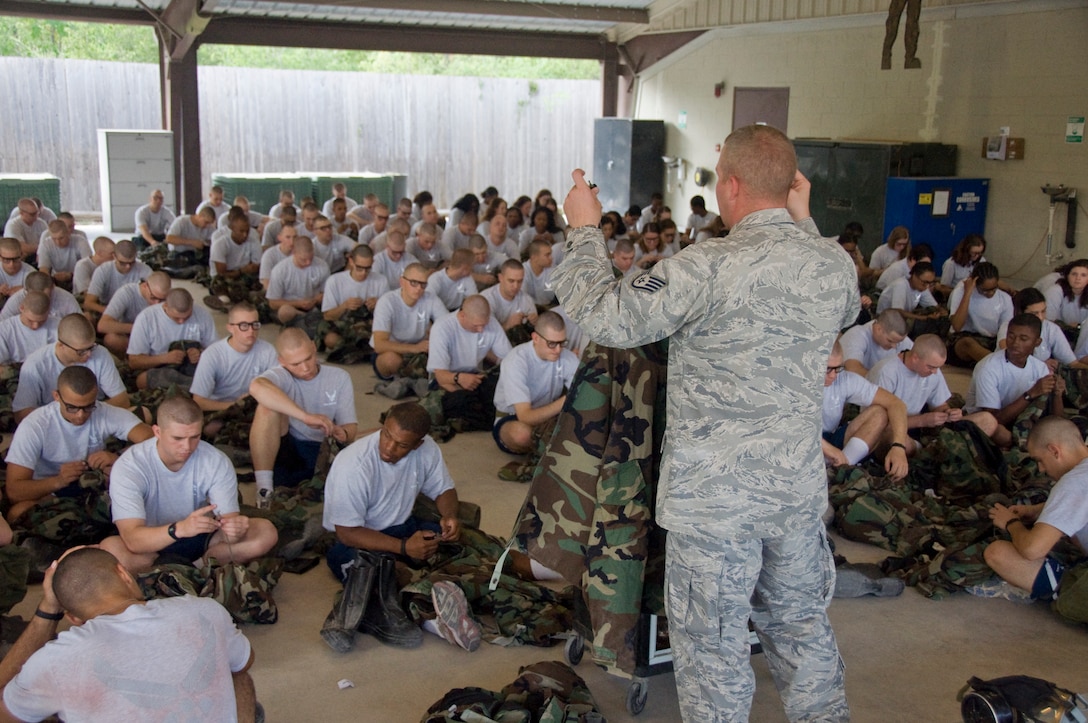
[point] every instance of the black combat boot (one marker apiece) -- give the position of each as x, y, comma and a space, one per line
385, 619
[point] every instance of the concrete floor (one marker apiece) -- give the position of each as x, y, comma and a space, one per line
905, 657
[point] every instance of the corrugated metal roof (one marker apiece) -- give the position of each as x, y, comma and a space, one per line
551, 16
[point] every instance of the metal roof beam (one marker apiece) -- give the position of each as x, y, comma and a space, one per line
287, 33
183, 18
88, 13
502, 8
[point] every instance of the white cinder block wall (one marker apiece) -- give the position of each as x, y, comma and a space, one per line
1017, 64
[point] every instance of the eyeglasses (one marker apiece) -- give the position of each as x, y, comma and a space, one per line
75, 408
79, 352
836, 370
151, 294
559, 344
245, 325
364, 268
415, 284
326, 227
10, 259
382, 218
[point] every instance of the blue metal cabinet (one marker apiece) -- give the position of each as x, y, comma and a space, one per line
938, 211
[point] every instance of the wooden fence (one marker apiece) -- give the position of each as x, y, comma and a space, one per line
450, 135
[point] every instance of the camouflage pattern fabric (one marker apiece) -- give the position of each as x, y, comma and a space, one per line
244, 590
354, 331
14, 567
70, 521
589, 511
936, 521
522, 611
523, 470
413, 366
146, 401
9, 380
544, 692
234, 434
237, 288
154, 256
934, 324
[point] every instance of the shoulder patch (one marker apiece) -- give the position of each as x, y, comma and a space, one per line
648, 282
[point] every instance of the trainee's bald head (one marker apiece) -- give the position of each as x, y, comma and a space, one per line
86, 577
291, 339
892, 322
1055, 430
36, 302
549, 321
159, 282
930, 346
75, 330
476, 307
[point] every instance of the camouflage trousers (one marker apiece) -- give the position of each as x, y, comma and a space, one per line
14, 567
244, 590
413, 366
589, 510
9, 381
70, 521
784, 585
523, 612
246, 287
236, 422
353, 328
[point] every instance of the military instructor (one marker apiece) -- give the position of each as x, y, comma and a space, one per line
751, 319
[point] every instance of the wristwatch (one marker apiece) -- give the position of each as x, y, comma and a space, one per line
457, 378
172, 530
1027, 398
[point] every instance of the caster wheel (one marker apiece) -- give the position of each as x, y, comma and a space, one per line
637, 693
574, 649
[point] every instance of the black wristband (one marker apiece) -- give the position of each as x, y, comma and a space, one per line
55, 617
172, 530
1015, 519
403, 547
457, 378
898, 444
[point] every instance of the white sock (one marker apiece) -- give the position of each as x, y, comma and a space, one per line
543, 573
264, 479
431, 626
854, 451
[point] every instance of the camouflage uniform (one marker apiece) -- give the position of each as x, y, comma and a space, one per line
354, 331
9, 380
752, 318
589, 511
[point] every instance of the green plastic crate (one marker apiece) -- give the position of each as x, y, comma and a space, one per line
358, 184
263, 189
14, 186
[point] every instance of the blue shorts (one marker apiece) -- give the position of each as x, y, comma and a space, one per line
189, 548
374, 366
501, 420
836, 437
1047, 581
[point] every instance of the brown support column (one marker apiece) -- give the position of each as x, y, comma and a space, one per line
610, 81
184, 121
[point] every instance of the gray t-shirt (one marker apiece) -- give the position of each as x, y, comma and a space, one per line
899, 295
288, 281
454, 349
364, 491
107, 279
430, 258
220, 210
985, 316
847, 388
19, 277
858, 344
55, 258
525, 377
996, 382
234, 255
451, 293
154, 331
1067, 507
915, 390
390, 269
1063, 309
61, 304
45, 439
341, 287
502, 308
898, 270
30, 235
81, 278
335, 254
157, 223
38, 377
18, 341
406, 324
224, 374
168, 659
142, 488
539, 288
329, 393
184, 227
270, 259
126, 304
